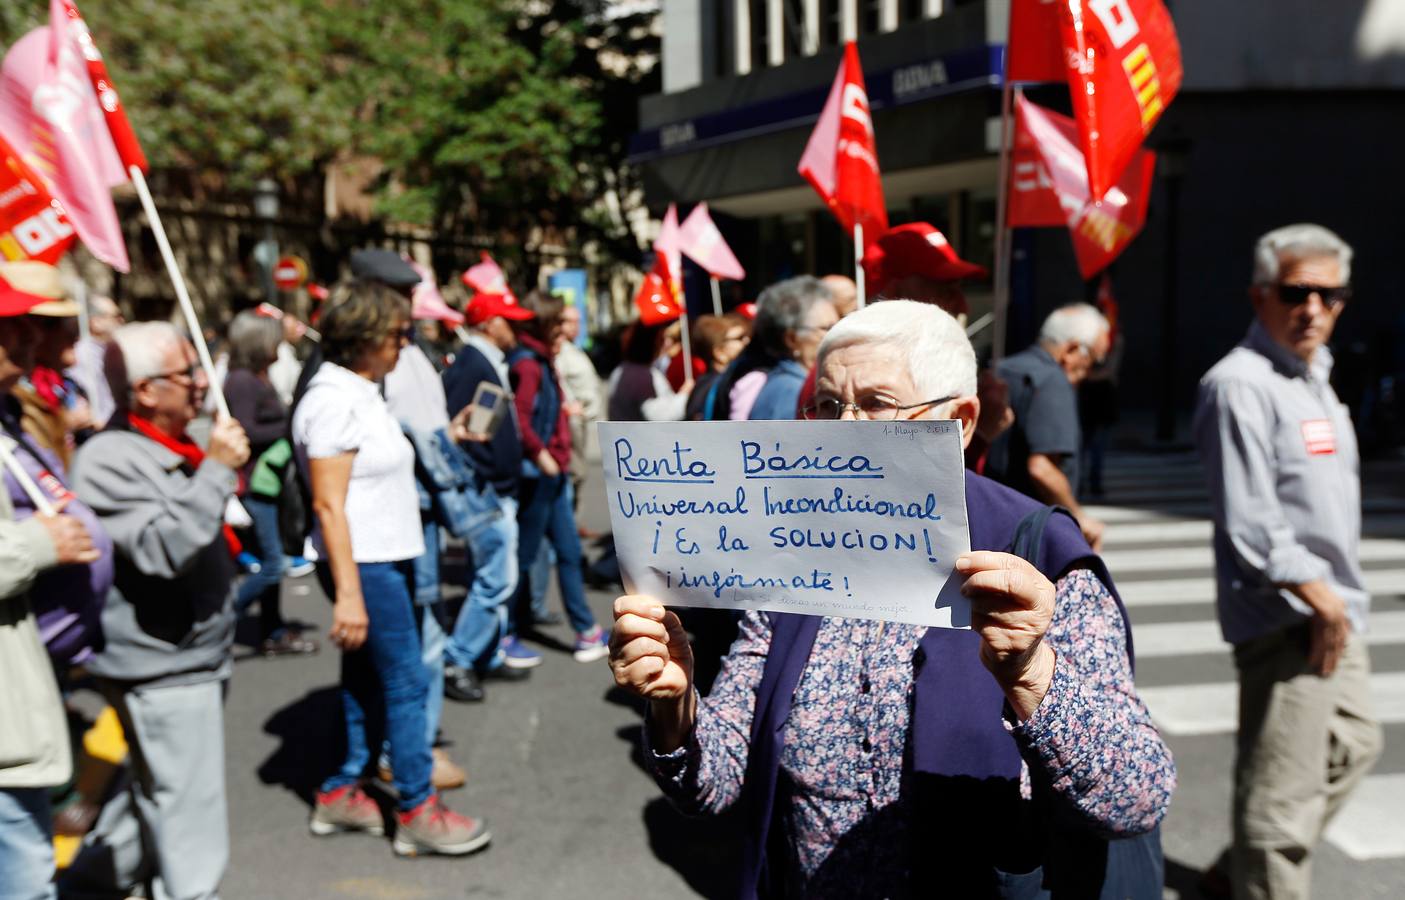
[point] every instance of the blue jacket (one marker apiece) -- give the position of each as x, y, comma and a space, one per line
965, 767
498, 461
781, 392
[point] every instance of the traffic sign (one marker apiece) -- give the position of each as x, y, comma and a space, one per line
290, 273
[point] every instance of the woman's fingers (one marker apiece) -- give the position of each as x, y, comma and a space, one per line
640, 605
638, 649
992, 577
631, 626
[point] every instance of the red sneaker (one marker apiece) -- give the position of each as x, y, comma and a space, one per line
432, 827
346, 809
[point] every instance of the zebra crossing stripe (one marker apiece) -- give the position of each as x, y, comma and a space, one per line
1165, 639
1197, 709
1368, 827
1178, 591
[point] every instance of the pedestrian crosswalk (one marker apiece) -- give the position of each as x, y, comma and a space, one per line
1158, 548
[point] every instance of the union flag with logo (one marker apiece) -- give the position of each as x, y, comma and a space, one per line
1122, 62
32, 224
1049, 186
841, 157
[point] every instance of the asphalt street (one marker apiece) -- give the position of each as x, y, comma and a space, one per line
553, 764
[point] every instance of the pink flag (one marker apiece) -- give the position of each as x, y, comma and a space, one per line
704, 245
427, 303
50, 114
668, 247
486, 277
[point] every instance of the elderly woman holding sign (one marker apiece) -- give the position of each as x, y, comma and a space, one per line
877, 759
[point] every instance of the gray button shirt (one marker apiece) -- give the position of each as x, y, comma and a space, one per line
1285, 486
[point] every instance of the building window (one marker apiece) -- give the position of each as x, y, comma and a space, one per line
831, 22
760, 34
870, 16
913, 10
797, 42
724, 57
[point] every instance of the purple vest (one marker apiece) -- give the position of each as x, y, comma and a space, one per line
963, 766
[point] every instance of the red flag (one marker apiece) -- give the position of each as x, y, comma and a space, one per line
1126, 67
841, 159
123, 137
1035, 51
1055, 177
50, 115
704, 245
656, 301
32, 225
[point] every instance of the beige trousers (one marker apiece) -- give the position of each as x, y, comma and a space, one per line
1304, 743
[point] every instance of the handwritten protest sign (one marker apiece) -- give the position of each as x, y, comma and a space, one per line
859, 519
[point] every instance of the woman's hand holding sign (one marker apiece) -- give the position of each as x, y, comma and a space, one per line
650, 657
1012, 604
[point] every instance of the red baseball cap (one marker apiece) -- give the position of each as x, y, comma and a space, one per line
915, 249
15, 302
487, 306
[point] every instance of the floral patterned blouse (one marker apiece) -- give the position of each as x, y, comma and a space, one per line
844, 748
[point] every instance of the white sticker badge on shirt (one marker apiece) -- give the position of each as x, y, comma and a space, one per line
1319, 437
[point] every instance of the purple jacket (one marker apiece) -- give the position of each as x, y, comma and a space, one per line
965, 766
67, 600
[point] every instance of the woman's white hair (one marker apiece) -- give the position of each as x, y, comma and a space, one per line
929, 342
138, 351
1080, 323
1297, 242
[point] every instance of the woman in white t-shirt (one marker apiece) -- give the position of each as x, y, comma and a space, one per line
367, 533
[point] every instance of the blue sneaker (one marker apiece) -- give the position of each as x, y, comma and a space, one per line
248, 562
517, 656
298, 566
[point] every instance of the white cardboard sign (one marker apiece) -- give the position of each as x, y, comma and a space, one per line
857, 519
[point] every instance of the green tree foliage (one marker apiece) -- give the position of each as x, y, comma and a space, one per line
489, 117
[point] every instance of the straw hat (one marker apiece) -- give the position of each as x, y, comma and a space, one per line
41, 280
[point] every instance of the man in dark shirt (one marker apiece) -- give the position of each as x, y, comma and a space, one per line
1038, 455
475, 648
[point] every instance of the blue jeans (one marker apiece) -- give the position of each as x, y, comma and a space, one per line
265, 585
26, 845
541, 579
547, 514
484, 616
427, 598
384, 681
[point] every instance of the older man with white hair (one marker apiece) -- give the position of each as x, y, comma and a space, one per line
169, 619
1280, 454
1038, 455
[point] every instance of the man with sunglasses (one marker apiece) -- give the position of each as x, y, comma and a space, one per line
1280, 456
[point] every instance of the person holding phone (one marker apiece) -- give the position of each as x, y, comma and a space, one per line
481, 645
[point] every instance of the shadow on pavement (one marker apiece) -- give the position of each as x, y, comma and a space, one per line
312, 741
1183, 879
702, 849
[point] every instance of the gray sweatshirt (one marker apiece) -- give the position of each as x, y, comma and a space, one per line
169, 619
1280, 455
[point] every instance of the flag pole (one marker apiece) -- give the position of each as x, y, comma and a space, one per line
716, 296
36, 496
858, 264
192, 321
687, 341
1003, 243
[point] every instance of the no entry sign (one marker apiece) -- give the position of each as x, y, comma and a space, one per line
290, 273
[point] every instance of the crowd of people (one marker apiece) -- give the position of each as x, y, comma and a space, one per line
128, 552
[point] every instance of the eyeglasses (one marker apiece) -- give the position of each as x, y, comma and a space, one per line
188, 373
1298, 294
875, 407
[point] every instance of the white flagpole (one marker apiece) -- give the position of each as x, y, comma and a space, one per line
192, 321
461, 332
716, 296
687, 343
858, 264
36, 496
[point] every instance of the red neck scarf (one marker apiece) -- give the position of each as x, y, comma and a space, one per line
188, 450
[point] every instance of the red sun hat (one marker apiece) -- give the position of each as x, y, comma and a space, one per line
15, 302
487, 306
915, 249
